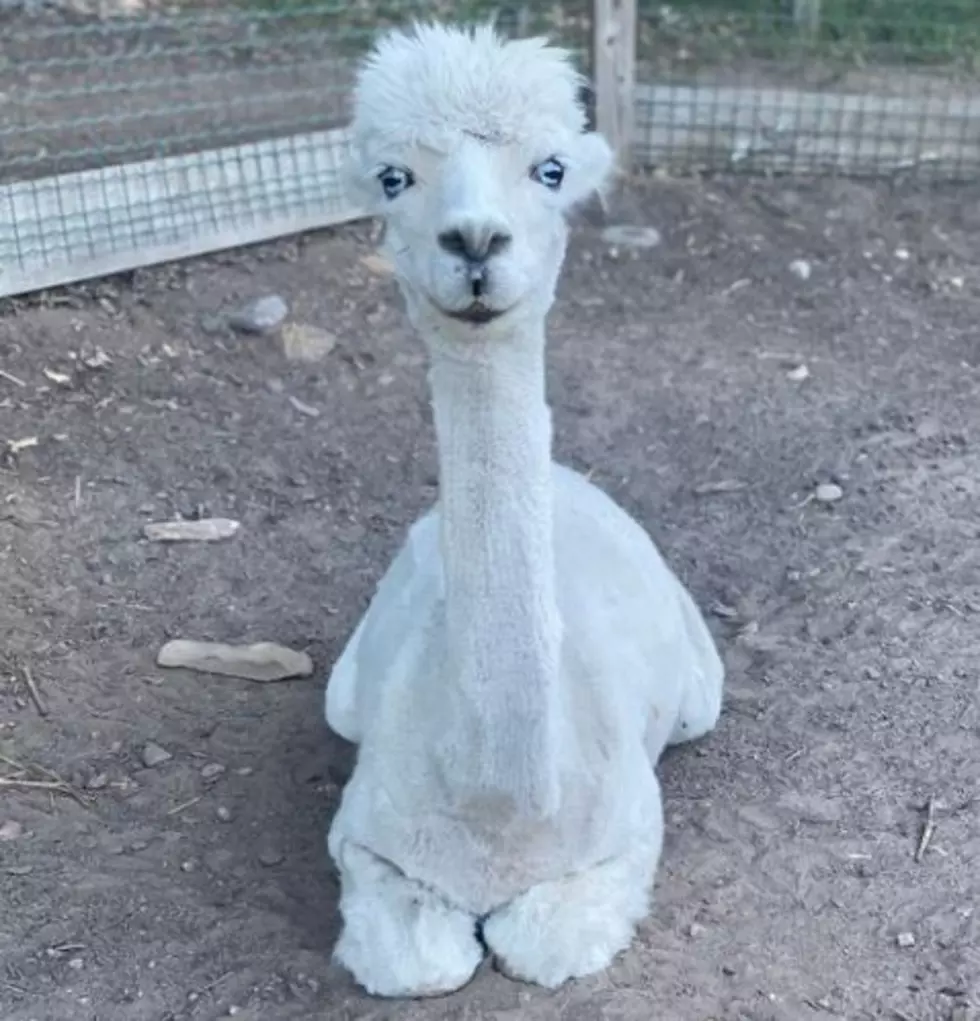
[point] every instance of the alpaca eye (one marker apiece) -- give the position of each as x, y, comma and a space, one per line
394, 181
550, 173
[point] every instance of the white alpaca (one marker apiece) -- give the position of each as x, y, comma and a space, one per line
528, 655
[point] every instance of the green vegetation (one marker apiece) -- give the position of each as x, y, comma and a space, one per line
918, 31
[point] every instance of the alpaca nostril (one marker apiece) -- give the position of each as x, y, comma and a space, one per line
474, 244
499, 242
453, 242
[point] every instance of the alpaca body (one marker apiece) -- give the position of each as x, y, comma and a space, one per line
528, 655
638, 670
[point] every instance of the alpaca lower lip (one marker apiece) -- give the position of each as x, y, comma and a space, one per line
477, 313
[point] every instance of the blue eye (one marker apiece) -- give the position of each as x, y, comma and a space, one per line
550, 173
394, 181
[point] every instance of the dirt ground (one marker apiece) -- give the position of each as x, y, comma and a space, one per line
789, 887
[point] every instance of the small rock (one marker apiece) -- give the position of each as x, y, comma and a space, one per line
245, 771
203, 530
98, 782
694, 930
223, 813
19, 870
188, 866
905, 940
801, 269
828, 492
212, 324
270, 856
902, 254
153, 755
377, 263
10, 829
631, 236
263, 661
303, 343
76, 964
138, 845
212, 770
264, 315
798, 374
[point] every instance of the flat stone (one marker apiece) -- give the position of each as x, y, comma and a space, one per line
631, 235
204, 530
10, 829
212, 771
264, 315
377, 263
828, 492
153, 755
263, 661
304, 343
905, 940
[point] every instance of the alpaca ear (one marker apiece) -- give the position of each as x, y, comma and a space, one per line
591, 164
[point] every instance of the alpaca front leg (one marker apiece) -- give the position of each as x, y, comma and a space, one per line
400, 938
576, 926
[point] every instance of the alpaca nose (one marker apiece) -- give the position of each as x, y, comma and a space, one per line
475, 241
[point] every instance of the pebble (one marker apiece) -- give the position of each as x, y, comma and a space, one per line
212, 770
139, 845
905, 940
304, 343
801, 269
631, 236
76, 964
263, 661
153, 755
19, 870
98, 782
223, 813
10, 829
828, 492
269, 856
798, 374
203, 530
188, 866
264, 315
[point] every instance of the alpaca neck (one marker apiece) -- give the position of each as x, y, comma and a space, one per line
503, 631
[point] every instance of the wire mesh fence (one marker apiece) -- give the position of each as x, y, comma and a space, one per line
131, 134
131, 140
862, 87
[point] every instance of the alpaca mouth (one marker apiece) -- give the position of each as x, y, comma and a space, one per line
475, 313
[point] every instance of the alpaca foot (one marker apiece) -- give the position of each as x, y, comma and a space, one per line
575, 926
400, 939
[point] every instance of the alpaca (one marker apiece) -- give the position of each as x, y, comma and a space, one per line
528, 654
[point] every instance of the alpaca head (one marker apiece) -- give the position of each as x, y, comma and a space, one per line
472, 150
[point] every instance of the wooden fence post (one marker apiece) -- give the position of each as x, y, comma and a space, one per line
614, 77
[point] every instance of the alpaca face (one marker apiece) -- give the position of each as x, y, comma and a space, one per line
473, 150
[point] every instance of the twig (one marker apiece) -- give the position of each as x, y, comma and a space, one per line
928, 829
34, 693
42, 785
180, 808
12, 378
